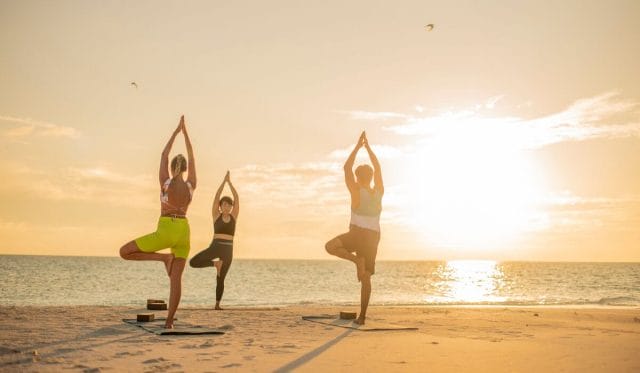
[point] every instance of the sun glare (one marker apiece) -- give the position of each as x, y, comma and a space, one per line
475, 188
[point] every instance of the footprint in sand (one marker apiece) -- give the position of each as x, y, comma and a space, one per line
207, 344
154, 361
127, 353
248, 358
7, 350
232, 365
53, 361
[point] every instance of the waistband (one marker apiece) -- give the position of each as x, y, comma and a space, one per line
222, 241
177, 218
365, 222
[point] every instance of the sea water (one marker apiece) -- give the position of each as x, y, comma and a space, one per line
64, 280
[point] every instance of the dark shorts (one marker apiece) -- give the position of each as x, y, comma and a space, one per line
364, 243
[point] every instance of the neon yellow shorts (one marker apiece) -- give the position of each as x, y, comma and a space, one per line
172, 233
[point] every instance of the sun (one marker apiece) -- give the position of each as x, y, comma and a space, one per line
474, 189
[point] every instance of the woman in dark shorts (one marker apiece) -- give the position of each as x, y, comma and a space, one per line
360, 244
225, 215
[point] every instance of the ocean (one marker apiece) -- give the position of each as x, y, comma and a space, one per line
60, 280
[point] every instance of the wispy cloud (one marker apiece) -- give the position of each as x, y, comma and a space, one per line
602, 116
27, 127
491, 102
288, 185
99, 185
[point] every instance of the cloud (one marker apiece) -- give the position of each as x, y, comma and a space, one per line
603, 116
94, 184
28, 127
572, 213
314, 185
491, 102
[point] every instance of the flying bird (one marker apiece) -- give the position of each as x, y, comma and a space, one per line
134, 84
429, 27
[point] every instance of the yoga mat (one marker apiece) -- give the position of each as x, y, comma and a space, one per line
369, 326
157, 327
231, 309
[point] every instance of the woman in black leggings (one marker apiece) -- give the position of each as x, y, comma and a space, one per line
225, 214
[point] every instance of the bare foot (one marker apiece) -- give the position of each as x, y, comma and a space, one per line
218, 265
168, 263
218, 308
359, 320
168, 324
360, 267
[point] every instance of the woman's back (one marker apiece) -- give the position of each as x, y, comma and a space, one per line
175, 197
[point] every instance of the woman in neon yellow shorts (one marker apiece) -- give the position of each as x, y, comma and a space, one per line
173, 227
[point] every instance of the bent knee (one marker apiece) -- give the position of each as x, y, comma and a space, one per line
125, 251
128, 249
332, 246
328, 248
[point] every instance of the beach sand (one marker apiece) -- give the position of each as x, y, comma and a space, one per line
448, 339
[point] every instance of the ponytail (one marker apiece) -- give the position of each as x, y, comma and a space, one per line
178, 165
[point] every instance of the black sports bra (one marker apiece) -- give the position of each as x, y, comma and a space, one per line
219, 226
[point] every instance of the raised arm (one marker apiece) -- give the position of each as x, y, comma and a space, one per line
164, 159
377, 171
191, 171
349, 178
236, 199
215, 208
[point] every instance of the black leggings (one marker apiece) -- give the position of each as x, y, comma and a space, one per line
222, 249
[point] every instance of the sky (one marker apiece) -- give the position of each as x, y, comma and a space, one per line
511, 131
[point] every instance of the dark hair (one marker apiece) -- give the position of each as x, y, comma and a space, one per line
364, 172
178, 164
226, 199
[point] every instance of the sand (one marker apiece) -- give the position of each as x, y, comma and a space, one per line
448, 339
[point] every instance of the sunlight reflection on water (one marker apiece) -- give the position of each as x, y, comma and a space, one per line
468, 281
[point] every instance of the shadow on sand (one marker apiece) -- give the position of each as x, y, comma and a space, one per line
312, 354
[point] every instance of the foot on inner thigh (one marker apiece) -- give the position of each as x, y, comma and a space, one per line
168, 263
218, 265
360, 267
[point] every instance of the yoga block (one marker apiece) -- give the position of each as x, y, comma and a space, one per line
145, 317
348, 315
155, 301
157, 306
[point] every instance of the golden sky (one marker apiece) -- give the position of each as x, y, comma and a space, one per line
511, 131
